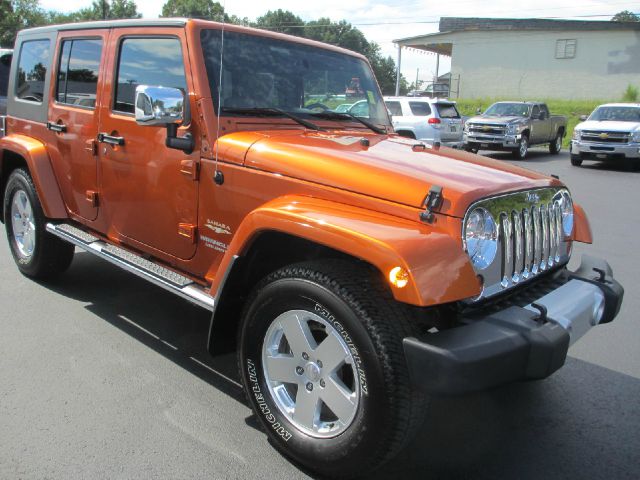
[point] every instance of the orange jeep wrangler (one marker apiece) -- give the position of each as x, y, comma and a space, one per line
355, 272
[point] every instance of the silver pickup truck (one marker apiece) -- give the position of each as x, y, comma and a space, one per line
515, 126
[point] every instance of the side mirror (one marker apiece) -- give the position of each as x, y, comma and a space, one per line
583, 118
163, 106
159, 106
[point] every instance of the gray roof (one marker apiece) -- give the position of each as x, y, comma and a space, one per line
460, 24
157, 22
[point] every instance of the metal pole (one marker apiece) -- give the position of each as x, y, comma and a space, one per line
398, 70
416, 84
437, 66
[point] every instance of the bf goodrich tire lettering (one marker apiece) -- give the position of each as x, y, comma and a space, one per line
366, 411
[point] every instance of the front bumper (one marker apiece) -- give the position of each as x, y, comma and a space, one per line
516, 342
604, 151
491, 142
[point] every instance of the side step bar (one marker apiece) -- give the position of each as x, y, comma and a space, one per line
131, 262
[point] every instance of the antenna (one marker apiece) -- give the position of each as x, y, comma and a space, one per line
218, 176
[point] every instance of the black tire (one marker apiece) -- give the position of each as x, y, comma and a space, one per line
522, 151
352, 297
556, 145
49, 255
471, 149
576, 161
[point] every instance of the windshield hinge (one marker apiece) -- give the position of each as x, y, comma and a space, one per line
432, 202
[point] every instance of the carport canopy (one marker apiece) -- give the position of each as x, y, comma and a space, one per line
433, 42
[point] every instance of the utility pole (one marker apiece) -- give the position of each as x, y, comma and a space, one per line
398, 70
416, 84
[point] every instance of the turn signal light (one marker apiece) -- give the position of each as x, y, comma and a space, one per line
399, 277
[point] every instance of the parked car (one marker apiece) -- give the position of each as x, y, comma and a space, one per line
515, 126
359, 271
434, 90
5, 65
427, 119
611, 133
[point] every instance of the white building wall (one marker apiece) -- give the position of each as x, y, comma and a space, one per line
522, 64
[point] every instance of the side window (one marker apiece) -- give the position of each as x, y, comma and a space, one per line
395, 108
420, 109
78, 72
32, 70
147, 61
544, 109
535, 113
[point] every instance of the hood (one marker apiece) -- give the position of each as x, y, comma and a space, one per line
390, 168
495, 120
609, 126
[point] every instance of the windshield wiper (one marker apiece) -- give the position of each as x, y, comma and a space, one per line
329, 115
271, 111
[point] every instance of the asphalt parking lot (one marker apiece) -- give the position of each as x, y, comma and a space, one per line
105, 376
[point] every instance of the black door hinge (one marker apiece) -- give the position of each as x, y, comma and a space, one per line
432, 202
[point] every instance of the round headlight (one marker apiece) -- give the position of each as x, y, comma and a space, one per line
481, 238
566, 207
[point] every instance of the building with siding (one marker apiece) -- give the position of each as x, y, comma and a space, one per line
536, 58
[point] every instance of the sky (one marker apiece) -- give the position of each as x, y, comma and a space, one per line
383, 21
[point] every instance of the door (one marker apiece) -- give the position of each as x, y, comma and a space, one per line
150, 191
539, 127
73, 120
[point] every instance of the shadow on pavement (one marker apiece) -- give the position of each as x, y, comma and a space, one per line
583, 422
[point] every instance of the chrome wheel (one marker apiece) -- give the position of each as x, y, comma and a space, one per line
524, 147
558, 143
23, 224
311, 373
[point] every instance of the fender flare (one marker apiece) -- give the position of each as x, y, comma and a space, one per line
581, 227
439, 270
38, 162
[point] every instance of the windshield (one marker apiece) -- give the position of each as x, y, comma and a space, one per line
508, 110
618, 114
262, 72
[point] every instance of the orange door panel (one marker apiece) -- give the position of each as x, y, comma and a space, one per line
73, 119
150, 195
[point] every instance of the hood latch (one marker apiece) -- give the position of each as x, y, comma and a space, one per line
432, 202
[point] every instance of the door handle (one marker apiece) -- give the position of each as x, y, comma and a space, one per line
110, 139
56, 127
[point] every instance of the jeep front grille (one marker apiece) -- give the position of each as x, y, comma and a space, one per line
530, 240
530, 237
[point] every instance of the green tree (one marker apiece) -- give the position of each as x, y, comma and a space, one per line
105, 10
19, 14
207, 9
625, 16
282, 21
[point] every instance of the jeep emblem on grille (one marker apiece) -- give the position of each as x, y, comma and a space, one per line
532, 197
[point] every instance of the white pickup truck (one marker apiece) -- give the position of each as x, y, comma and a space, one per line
611, 133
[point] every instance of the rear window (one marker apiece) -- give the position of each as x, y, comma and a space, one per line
447, 110
420, 109
78, 72
5, 67
32, 70
394, 108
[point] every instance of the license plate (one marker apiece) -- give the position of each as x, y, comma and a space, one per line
453, 128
